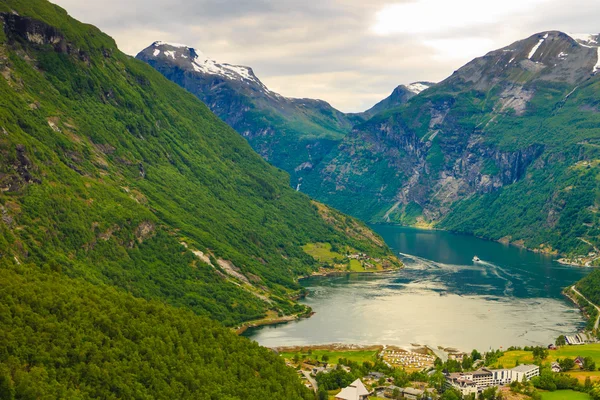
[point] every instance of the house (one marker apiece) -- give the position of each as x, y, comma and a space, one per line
580, 362
555, 367
389, 391
456, 356
406, 393
551, 347
355, 391
375, 375
411, 393
323, 369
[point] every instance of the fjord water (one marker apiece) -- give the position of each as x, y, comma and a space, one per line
441, 298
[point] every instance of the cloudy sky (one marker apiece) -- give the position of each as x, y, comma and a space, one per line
351, 53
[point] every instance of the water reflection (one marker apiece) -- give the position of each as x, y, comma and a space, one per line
442, 297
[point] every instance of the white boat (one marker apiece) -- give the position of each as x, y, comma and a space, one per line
476, 259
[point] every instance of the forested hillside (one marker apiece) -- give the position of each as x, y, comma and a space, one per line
115, 183
65, 338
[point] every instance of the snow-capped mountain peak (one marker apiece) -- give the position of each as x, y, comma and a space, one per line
188, 58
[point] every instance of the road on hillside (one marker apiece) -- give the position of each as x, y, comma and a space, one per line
311, 380
586, 299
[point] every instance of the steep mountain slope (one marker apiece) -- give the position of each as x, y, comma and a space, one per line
505, 148
116, 182
292, 134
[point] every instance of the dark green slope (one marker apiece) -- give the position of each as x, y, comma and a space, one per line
506, 148
292, 134
116, 182
68, 339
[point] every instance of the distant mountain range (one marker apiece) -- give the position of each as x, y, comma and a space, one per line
506, 148
292, 134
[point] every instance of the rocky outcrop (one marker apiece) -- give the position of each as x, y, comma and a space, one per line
38, 33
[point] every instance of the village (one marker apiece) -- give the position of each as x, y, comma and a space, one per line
348, 372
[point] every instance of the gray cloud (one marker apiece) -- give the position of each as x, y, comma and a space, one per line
351, 53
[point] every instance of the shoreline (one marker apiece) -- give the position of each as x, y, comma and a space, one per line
273, 321
325, 273
585, 263
309, 313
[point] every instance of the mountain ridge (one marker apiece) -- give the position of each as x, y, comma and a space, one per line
294, 134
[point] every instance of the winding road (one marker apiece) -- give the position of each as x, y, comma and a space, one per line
586, 299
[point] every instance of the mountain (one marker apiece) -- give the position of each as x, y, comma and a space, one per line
292, 134
399, 96
506, 148
132, 219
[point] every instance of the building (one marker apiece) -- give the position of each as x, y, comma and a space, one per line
411, 393
463, 384
477, 381
579, 361
356, 391
375, 375
556, 367
456, 356
406, 393
524, 371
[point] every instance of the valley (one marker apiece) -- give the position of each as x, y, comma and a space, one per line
464, 154
172, 228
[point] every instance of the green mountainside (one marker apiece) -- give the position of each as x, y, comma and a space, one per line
115, 182
507, 148
292, 134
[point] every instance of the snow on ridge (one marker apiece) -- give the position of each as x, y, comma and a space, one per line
178, 45
597, 66
417, 87
156, 52
537, 46
233, 72
584, 39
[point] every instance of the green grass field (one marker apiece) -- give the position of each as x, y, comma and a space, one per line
356, 266
509, 359
564, 395
322, 252
334, 355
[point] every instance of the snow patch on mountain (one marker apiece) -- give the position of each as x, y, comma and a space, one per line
537, 46
177, 45
585, 39
597, 66
417, 87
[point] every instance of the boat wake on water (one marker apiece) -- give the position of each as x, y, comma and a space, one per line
484, 267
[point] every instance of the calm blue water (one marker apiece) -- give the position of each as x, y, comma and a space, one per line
512, 297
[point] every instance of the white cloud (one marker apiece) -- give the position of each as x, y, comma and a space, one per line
465, 48
350, 53
439, 16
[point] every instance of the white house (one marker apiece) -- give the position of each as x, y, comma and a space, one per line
356, 391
